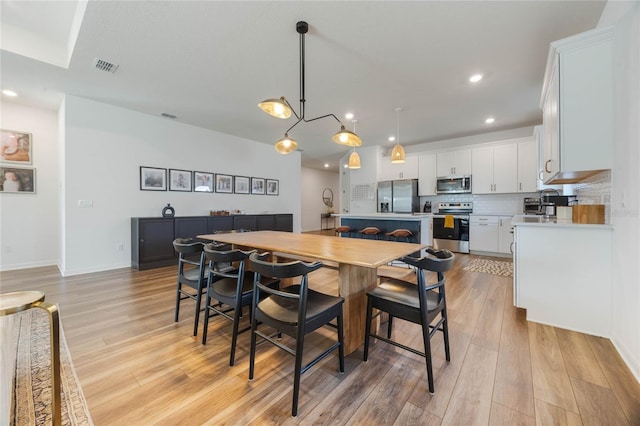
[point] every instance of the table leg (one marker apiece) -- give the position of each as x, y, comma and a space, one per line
54, 332
353, 283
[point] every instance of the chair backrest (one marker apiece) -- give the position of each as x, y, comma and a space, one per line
262, 267
440, 263
221, 260
186, 247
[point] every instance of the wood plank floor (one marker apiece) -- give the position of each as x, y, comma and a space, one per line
137, 366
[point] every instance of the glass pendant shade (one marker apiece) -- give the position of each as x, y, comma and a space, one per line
354, 160
346, 137
286, 145
276, 107
397, 154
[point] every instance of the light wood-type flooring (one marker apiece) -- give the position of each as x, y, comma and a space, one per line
138, 367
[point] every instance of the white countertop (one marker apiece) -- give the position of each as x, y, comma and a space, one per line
523, 220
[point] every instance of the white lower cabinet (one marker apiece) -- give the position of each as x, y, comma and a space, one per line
483, 233
505, 235
562, 276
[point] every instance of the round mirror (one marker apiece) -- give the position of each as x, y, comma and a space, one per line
327, 197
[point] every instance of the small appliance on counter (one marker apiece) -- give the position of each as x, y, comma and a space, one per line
427, 207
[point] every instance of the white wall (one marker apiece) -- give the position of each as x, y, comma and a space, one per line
106, 145
313, 184
625, 180
29, 222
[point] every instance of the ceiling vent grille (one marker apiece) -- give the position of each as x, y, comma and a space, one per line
167, 115
105, 66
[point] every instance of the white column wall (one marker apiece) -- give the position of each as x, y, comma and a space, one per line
625, 180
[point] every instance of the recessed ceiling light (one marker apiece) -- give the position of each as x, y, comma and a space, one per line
489, 120
475, 78
348, 116
326, 165
392, 138
9, 93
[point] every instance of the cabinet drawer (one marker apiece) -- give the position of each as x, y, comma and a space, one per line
486, 220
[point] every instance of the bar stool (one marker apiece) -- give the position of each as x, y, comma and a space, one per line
372, 231
12, 303
399, 234
344, 229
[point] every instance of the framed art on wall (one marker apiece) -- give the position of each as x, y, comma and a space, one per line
202, 182
153, 179
15, 179
241, 184
257, 185
15, 147
224, 183
180, 180
273, 186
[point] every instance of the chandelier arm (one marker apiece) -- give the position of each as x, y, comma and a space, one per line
295, 124
323, 116
293, 110
302, 72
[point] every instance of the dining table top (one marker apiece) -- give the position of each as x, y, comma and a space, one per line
367, 253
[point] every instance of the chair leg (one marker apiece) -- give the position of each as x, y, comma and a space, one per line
367, 329
297, 372
389, 325
205, 327
197, 314
341, 341
177, 311
234, 337
445, 333
252, 351
427, 355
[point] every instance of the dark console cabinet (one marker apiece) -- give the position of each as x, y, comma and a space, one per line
151, 242
152, 237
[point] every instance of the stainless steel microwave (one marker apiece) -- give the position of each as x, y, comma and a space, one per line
453, 185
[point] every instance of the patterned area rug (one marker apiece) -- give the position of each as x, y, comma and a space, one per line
32, 380
488, 266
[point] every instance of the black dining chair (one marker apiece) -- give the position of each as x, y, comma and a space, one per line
192, 273
419, 304
295, 311
230, 289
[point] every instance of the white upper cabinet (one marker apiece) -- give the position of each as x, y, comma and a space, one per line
528, 166
454, 163
427, 174
390, 171
495, 169
577, 107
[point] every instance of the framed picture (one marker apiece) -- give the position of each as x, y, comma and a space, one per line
273, 186
257, 185
224, 184
153, 179
15, 179
180, 180
15, 147
202, 182
241, 185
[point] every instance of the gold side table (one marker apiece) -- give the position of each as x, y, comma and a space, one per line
11, 303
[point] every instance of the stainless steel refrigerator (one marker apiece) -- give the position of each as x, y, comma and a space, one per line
398, 196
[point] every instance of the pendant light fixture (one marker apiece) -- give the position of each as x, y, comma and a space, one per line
397, 154
281, 108
354, 158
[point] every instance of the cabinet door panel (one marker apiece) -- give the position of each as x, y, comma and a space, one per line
482, 167
190, 227
505, 168
427, 174
156, 240
527, 166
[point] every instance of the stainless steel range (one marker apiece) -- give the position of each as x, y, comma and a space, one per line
451, 226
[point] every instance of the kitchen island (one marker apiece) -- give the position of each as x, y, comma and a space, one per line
562, 273
419, 224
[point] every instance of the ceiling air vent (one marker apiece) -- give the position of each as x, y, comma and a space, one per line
105, 66
167, 115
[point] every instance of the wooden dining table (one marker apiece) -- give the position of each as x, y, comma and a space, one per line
357, 260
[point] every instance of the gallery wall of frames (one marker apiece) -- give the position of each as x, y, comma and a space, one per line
161, 179
16, 155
